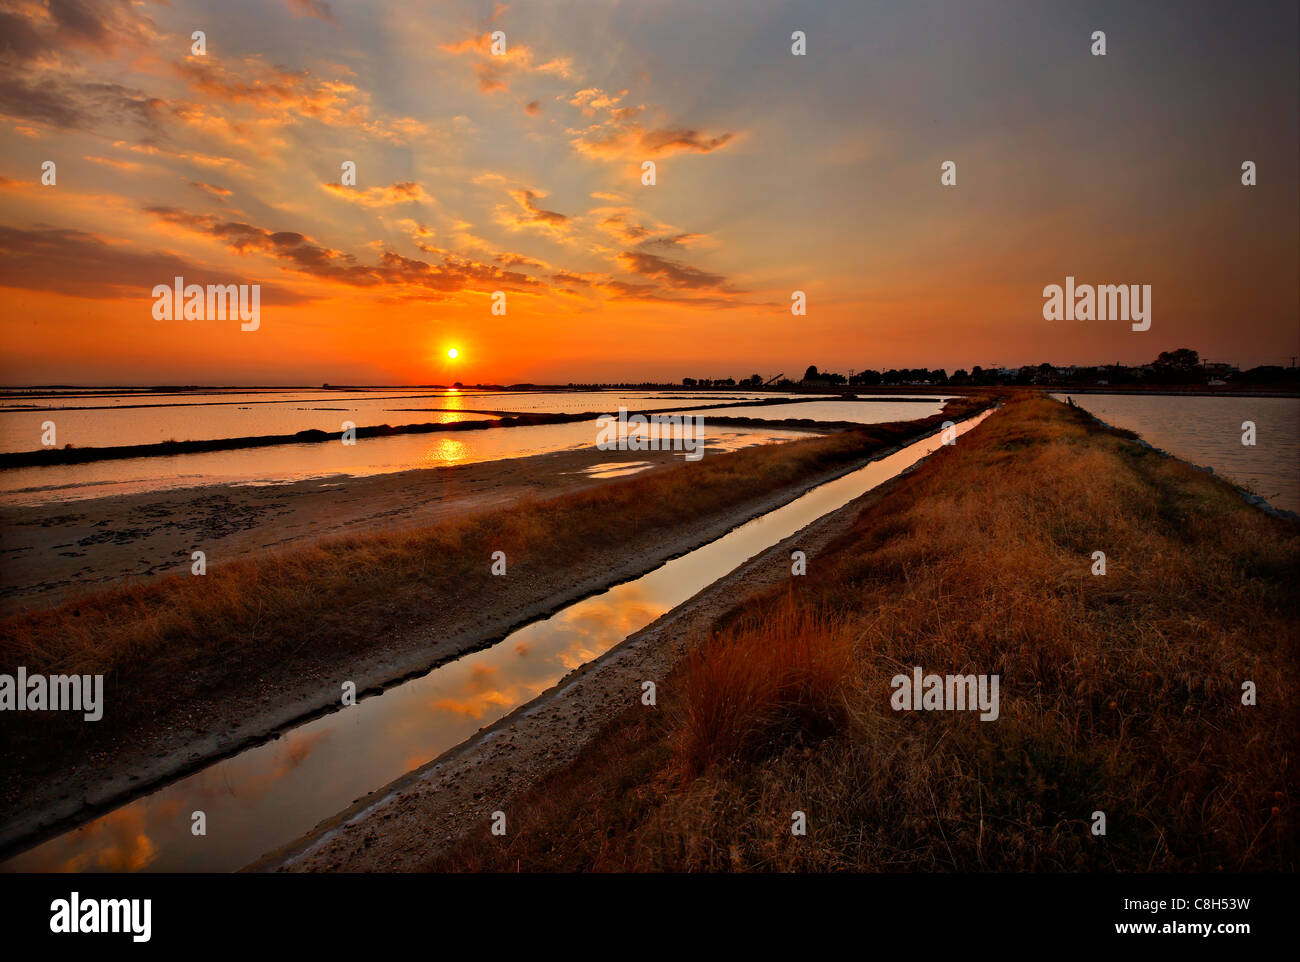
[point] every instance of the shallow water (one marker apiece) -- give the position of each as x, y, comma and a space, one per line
615, 469
92, 422
113, 420
269, 795
1207, 431
871, 412
284, 463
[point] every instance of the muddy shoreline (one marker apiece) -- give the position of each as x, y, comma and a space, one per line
55, 550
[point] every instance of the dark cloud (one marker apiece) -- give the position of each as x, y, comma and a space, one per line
624, 291
314, 8
19, 40
518, 260
672, 273
566, 277
56, 98
298, 252
528, 201
58, 102
98, 25
620, 226
80, 264
675, 241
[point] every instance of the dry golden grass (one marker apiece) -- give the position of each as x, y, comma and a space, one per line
746, 692
167, 645
1119, 693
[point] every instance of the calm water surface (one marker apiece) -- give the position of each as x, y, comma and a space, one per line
218, 415
283, 463
112, 420
95, 422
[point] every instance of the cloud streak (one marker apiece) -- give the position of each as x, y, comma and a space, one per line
81, 264
394, 274
407, 192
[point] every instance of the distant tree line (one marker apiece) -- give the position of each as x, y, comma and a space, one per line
1183, 367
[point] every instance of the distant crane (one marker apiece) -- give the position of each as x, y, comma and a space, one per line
772, 381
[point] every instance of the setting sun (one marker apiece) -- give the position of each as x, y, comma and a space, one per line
453, 353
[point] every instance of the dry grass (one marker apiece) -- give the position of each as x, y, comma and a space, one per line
262, 623
790, 676
1119, 693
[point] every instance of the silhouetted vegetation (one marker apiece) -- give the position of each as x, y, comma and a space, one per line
1179, 368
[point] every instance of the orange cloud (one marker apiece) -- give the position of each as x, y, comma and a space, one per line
110, 162
221, 193
533, 214
202, 160
593, 100
280, 97
494, 71
621, 135
616, 139
272, 89
407, 192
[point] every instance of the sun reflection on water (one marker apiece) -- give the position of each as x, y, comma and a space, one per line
445, 451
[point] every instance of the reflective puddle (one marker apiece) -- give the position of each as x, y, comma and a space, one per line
615, 469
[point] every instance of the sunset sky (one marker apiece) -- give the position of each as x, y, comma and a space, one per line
522, 173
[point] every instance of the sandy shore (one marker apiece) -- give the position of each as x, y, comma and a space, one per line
400, 826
